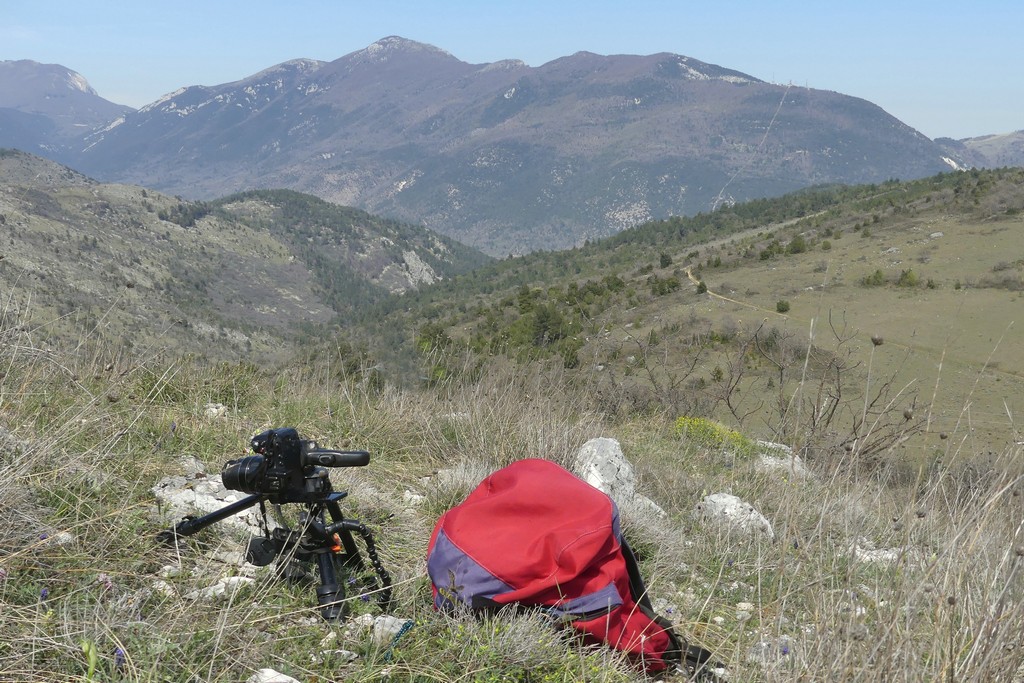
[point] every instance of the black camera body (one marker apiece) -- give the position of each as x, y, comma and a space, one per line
287, 468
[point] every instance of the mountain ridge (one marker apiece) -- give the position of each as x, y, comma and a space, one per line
503, 156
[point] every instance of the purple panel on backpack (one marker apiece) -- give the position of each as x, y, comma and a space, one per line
591, 605
458, 577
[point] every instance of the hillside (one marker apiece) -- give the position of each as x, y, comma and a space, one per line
502, 156
245, 276
869, 328
932, 268
988, 151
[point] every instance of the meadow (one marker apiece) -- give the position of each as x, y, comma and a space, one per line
871, 576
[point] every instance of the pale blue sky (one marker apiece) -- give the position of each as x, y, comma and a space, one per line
953, 69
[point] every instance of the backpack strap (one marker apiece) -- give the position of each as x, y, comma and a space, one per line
695, 660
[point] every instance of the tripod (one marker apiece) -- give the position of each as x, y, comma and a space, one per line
331, 546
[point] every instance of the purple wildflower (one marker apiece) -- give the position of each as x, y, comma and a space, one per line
364, 597
119, 658
45, 593
43, 536
785, 650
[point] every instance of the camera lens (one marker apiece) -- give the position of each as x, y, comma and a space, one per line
243, 474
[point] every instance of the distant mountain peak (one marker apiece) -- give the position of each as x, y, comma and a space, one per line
50, 79
387, 47
505, 65
301, 65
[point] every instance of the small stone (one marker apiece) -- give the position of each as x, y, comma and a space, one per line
270, 676
161, 587
412, 498
386, 627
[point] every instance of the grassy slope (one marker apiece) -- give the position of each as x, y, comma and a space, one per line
85, 439
951, 348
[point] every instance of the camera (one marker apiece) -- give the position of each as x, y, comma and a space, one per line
287, 468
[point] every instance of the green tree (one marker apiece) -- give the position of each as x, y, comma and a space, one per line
797, 245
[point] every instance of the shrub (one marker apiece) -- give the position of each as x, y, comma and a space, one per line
876, 279
797, 245
709, 434
782, 306
908, 278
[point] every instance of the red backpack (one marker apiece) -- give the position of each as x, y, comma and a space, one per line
535, 535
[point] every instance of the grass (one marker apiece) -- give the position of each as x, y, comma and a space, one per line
86, 593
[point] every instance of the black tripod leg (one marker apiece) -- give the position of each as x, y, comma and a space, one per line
330, 594
192, 525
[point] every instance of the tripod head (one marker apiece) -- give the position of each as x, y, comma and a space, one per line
286, 468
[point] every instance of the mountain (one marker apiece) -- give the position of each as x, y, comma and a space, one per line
44, 108
247, 274
987, 151
504, 156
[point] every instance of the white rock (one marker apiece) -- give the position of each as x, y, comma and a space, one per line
215, 410
345, 656
733, 514
169, 571
602, 464
329, 640
865, 551
226, 586
412, 498
270, 676
780, 458
386, 627
355, 627
61, 538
